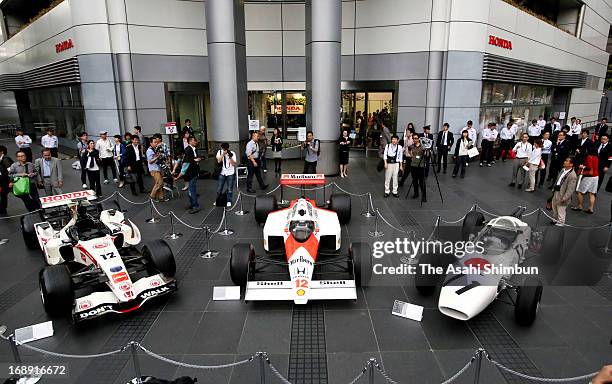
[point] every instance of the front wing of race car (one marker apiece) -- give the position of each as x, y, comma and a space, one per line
100, 303
285, 290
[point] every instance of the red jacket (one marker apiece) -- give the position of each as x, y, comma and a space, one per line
591, 166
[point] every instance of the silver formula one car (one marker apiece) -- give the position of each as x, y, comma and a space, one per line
479, 278
303, 240
93, 265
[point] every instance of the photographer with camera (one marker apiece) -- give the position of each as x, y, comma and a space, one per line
227, 159
313, 149
392, 157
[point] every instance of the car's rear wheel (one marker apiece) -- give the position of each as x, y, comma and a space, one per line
29, 232
159, 258
56, 290
528, 301
361, 258
426, 283
552, 245
241, 260
341, 204
471, 224
264, 205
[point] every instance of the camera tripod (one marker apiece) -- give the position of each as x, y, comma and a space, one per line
427, 155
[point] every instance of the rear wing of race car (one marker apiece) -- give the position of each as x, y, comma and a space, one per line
285, 290
66, 198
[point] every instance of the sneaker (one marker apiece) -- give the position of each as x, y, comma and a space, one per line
84, 185
489, 165
559, 225
186, 187
530, 190
454, 175
481, 164
395, 195
115, 181
229, 204
105, 181
386, 195
520, 186
121, 184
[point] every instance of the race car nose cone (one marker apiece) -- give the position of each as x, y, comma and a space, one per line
465, 302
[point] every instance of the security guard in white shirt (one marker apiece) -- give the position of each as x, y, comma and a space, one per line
534, 131
522, 149
507, 141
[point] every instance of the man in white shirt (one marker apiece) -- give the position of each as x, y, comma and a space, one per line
227, 159
574, 132
105, 149
472, 134
507, 141
546, 152
541, 122
522, 149
23, 143
489, 135
534, 131
392, 157
554, 126
50, 141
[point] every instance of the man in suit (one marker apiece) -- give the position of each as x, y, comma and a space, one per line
604, 152
584, 146
133, 160
564, 188
558, 153
191, 174
444, 142
49, 173
601, 129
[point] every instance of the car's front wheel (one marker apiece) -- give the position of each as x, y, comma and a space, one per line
29, 232
264, 205
241, 259
341, 204
361, 257
528, 301
471, 224
56, 290
159, 258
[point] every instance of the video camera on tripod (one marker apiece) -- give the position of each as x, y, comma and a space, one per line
427, 143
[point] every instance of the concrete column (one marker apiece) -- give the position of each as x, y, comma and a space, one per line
436, 69
227, 70
323, 37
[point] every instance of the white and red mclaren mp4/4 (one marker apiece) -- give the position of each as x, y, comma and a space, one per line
303, 240
93, 266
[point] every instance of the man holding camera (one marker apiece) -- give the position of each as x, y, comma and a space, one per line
253, 163
312, 147
227, 159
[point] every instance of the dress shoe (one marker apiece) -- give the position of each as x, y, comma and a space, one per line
512, 184
194, 211
251, 191
264, 187
386, 195
395, 195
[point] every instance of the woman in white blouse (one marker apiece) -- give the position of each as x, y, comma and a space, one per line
533, 163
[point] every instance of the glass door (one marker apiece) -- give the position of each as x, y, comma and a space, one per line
190, 106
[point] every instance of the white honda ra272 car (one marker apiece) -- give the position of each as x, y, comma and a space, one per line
505, 241
92, 264
303, 242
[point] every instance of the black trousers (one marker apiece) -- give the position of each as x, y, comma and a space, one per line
460, 164
310, 167
418, 181
138, 171
487, 152
277, 165
555, 167
542, 172
254, 171
31, 201
94, 181
601, 177
105, 163
442, 160
4, 191
505, 148
405, 173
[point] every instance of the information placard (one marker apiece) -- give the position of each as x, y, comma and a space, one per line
171, 128
253, 125
301, 134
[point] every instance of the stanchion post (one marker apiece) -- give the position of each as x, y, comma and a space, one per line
371, 369
225, 231
478, 366
376, 232
438, 221
368, 213
153, 219
134, 347
241, 212
174, 235
262, 369
14, 349
208, 253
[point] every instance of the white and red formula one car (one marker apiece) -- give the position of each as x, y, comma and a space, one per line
479, 278
93, 266
303, 240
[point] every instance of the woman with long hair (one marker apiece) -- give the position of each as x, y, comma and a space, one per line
589, 181
461, 153
344, 145
277, 149
91, 161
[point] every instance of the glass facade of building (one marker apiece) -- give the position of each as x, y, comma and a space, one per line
60, 108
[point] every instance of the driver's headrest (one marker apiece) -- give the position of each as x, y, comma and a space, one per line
82, 211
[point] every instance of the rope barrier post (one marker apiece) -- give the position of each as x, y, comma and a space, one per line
262, 368
368, 213
134, 348
208, 253
376, 232
242, 212
152, 219
478, 366
173, 235
371, 369
225, 231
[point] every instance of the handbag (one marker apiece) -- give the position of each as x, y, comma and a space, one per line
130, 178
381, 165
473, 152
21, 186
512, 154
542, 165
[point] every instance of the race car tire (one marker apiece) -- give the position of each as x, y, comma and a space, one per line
56, 290
528, 301
361, 257
426, 283
471, 224
341, 204
240, 259
159, 258
28, 231
264, 205
552, 244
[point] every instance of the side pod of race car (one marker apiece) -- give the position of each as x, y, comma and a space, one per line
303, 240
505, 241
93, 265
